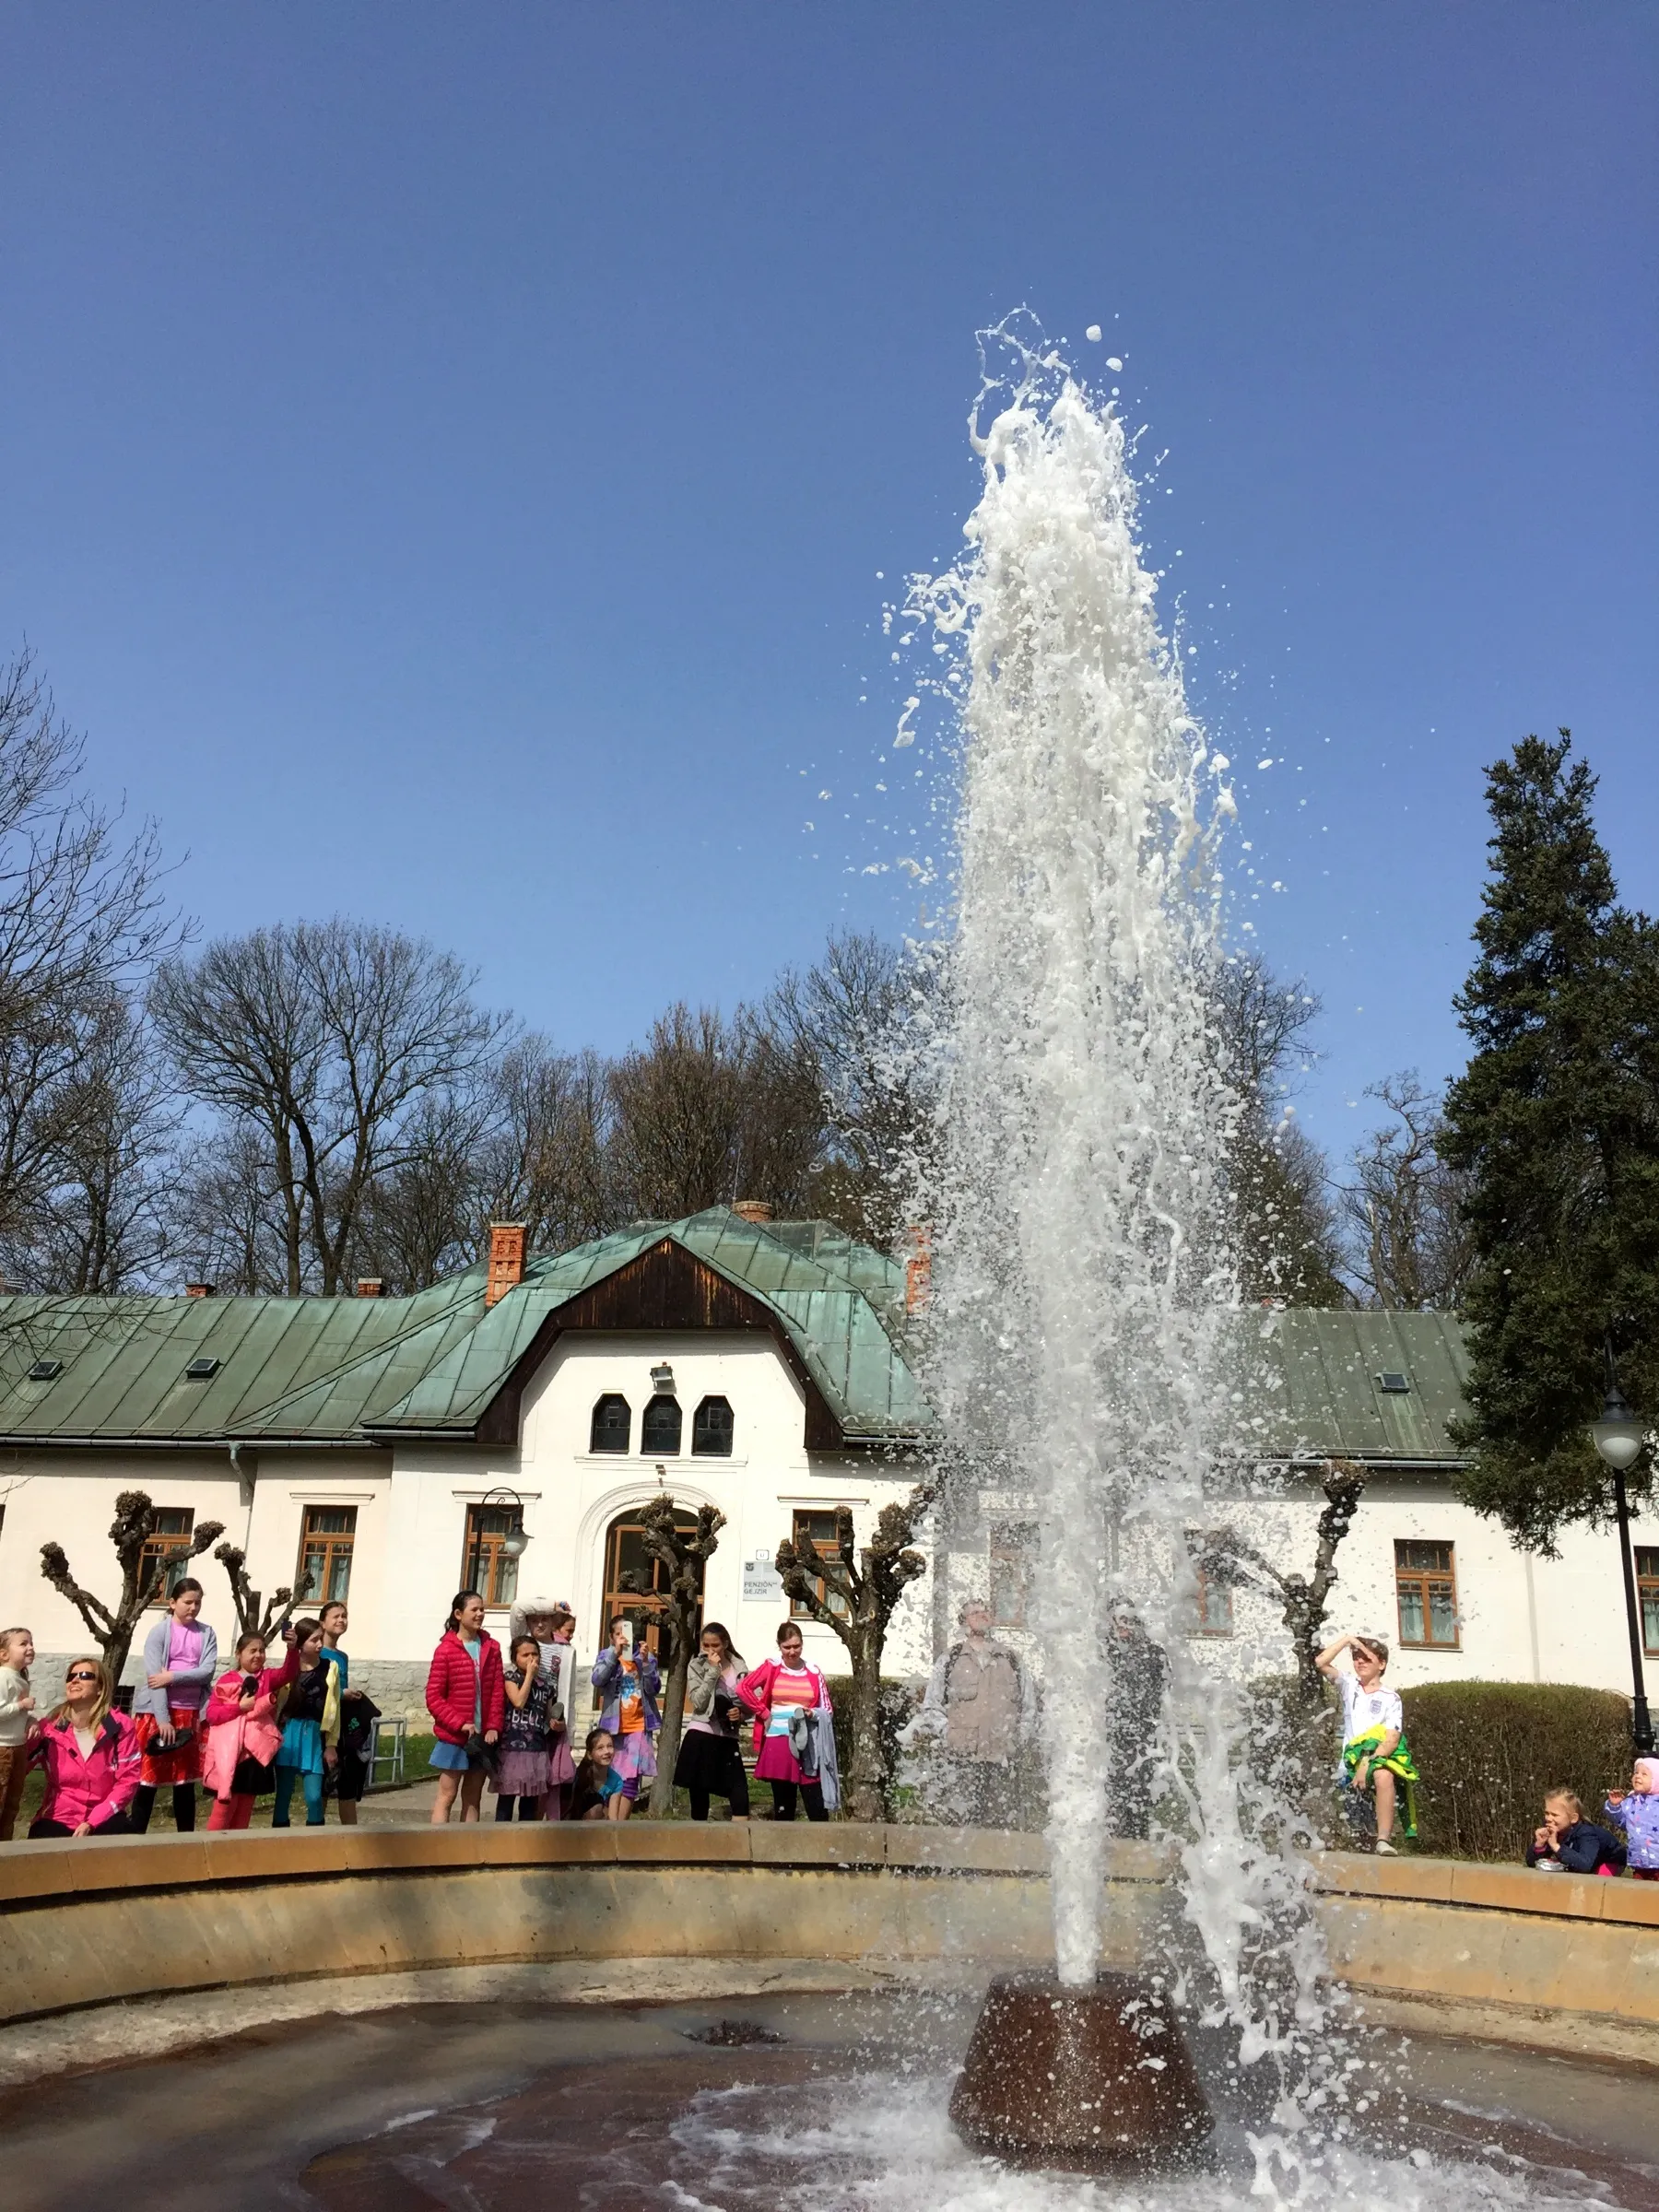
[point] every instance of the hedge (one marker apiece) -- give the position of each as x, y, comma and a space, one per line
1488, 1751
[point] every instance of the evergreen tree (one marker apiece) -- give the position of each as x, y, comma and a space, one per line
1556, 1124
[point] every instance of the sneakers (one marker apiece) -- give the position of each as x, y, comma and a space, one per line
1385, 1849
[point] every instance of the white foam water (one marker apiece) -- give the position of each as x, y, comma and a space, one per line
873, 2144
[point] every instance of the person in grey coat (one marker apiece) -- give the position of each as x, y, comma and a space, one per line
181, 1659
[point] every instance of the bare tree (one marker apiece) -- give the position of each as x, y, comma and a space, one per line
853, 1590
227, 1213
683, 1555
82, 916
1284, 1222
546, 1159
328, 1039
678, 1105
849, 1023
141, 1581
101, 1218
1229, 1557
278, 1608
1409, 1247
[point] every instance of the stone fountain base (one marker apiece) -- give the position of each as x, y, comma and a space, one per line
1089, 2080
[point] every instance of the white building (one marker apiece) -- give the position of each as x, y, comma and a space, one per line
762, 1365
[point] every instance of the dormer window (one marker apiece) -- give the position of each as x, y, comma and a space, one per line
712, 1428
660, 1428
612, 1423
202, 1370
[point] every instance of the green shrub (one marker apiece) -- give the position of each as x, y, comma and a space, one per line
1488, 1751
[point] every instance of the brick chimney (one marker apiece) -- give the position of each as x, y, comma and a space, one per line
918, 1267
752, 1209
369, 1286
506, 1259
201, 1290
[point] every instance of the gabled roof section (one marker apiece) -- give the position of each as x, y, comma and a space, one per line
806, 1291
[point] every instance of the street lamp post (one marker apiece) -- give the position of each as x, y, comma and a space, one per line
1621, 1437
503, 1499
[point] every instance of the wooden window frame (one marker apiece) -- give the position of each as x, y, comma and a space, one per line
332, 1544
1423, 1577
1013, 1543
672, 1451
166, 1544
802, 1515
704, 1450
1647, 1597
610, 1397
484, 1567
1212, 1594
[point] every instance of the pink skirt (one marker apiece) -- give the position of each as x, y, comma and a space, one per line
636, 1756
561, 1767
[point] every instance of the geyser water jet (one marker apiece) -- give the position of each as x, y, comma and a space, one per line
1083, 1286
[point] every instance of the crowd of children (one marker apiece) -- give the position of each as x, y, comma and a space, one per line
261, 1730
507, 1723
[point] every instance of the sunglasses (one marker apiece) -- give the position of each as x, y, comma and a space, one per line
82, 1677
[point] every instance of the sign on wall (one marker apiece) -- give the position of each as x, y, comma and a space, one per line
763, 1585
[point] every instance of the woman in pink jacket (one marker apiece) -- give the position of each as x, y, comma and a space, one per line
91, 1757
243, 1732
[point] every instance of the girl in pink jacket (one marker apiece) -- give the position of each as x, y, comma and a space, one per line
243, 1732
91, 1757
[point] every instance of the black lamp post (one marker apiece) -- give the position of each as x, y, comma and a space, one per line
1621, 1437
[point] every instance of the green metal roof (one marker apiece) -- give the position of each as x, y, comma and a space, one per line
348, 1369
354, 1370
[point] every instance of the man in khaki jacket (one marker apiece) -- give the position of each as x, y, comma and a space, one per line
982, 1709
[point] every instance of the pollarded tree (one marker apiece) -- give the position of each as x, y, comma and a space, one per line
853, 1590
1229, 1557
278, 1610
141, 1581
1556, 1124
683, 1556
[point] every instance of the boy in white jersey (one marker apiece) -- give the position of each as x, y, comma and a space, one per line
1373, 1728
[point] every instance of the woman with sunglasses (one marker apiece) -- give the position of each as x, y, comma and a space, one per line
90, 1759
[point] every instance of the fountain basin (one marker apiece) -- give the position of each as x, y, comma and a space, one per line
93, 1928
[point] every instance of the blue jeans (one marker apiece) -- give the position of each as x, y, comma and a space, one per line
312, 1787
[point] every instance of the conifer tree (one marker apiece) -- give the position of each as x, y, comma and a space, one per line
1556, 1122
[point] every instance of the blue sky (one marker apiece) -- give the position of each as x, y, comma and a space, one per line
449, 454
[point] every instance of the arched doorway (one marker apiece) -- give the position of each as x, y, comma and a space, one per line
625, 1554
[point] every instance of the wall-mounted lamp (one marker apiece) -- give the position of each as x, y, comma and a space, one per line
509, 1502
662, 1382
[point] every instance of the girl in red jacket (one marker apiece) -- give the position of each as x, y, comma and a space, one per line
467, 1700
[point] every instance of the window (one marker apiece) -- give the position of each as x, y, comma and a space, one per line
1013, 1555
325, 1542
625, 1554
612, 1423
660, 1428
711, 1427
170, 1540
821, 1528
1214, 1604
1426, 1589
1647, 1597
484, 1567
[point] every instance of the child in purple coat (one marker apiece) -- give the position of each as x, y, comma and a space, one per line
1636, 1813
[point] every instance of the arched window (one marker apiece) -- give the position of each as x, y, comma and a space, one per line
612, 1422
660, 1429
712, 1429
